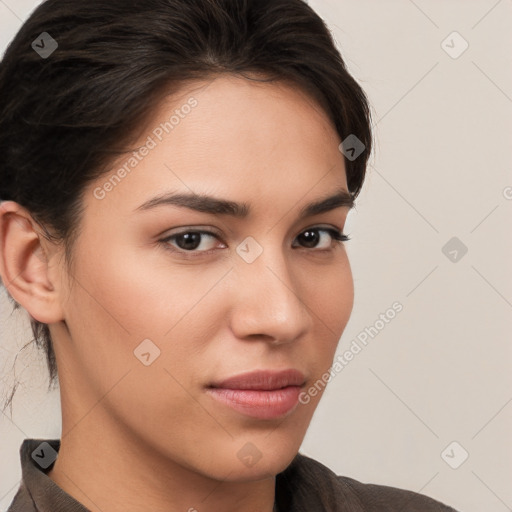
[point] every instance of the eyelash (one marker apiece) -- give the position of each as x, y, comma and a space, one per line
337, 236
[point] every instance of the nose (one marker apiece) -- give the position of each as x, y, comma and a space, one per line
267, 302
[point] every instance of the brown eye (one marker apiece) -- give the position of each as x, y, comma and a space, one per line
190, 241
311, 237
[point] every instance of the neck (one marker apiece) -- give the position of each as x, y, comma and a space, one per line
106, 469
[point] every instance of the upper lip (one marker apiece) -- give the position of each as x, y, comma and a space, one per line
263, 380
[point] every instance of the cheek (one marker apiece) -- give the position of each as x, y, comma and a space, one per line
329, 294
119, 300
144, 292
132, 296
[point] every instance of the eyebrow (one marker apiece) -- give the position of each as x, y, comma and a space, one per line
217, 206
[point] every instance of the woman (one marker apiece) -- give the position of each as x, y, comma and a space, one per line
175, 183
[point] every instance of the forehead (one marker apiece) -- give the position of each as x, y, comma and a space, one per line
233, 137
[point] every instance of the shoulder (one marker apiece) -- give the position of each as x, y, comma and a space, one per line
314, 482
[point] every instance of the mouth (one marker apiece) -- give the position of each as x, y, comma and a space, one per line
260, 394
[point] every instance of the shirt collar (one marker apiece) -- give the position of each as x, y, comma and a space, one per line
45, 494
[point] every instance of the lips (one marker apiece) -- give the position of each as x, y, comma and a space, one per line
263, 395
263, 380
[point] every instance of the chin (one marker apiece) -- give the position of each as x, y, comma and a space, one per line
261, 457
261, 470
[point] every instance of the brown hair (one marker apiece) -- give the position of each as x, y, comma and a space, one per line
64, 116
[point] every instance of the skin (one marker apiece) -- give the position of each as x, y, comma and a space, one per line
150, 436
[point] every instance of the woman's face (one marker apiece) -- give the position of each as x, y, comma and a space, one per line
155, 317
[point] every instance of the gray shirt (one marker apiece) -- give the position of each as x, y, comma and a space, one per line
305, 485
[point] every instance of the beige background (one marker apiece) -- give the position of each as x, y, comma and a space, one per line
440, 371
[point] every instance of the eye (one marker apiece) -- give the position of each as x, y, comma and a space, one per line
195, 243
189, 241
311, 238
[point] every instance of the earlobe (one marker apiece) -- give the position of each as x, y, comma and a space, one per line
25, 265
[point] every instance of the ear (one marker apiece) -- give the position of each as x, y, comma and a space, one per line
28, 268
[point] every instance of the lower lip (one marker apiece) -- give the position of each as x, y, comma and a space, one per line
259, 403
